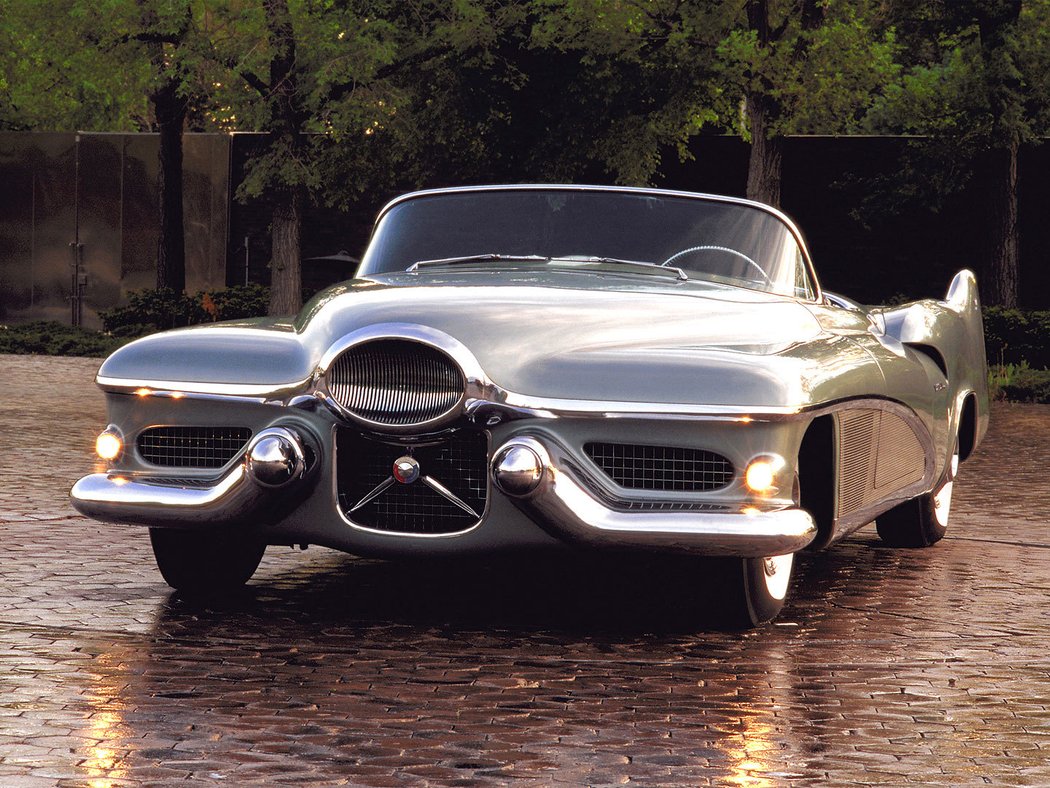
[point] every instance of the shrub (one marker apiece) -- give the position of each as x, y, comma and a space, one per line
55, 339
1015, 336
156, 310
241, 301
1019, 383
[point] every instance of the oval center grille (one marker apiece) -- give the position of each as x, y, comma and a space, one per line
395, 382
661, 467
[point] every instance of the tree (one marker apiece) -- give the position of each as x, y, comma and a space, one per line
646, 78
342, 94
760, 68
52, 80
976, 85
163, 34
111, 66
802, 67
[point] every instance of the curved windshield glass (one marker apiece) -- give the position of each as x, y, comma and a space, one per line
725, 242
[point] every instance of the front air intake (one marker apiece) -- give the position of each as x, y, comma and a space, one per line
395, 382
638, 467
192, 447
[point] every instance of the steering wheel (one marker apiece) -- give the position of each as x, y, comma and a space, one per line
710, 247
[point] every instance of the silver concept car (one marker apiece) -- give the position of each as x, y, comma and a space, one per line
520, 367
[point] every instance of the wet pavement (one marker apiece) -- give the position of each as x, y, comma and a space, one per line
888, 667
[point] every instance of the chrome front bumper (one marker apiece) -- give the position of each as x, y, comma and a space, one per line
271, 479
266, 482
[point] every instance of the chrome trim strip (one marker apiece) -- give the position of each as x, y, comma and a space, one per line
567, 510
447, 494
176, 389
818, 293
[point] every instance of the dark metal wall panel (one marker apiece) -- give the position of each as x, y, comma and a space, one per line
206, 200
110, 165
103, 192
37, 199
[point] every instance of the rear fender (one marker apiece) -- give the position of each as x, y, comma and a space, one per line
951, 333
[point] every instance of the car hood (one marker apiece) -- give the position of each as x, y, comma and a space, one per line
552, 334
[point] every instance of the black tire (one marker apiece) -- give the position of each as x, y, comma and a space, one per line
199, 563
754, 590
922, 521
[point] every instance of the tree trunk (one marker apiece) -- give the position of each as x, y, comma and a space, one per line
171, 255
1004, 264
997, 22
765, 165
286, 294
287, 120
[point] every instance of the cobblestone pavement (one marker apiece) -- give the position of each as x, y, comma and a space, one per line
888, 667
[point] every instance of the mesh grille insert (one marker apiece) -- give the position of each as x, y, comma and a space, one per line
661, 467
192, 447
459, 463
396, 382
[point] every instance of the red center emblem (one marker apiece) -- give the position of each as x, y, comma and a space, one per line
406, 469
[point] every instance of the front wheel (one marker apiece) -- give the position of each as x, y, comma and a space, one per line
921, 521
202, 564
755, 589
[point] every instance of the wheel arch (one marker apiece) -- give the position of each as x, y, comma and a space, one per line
968, 426
816, 472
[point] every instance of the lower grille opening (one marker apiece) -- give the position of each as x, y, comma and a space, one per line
672, 468
192, 447
459, 464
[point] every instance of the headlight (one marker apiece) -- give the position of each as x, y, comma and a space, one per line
762, 472
109, 444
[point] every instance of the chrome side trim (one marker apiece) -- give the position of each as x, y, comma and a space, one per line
258, 392
563, 506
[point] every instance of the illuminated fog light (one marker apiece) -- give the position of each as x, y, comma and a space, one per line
761, 475
109, 445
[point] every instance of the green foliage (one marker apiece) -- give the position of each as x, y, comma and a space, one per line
1019, 383
152, 310
671, 69
1016, 336
157, 310
964, 88
61, 68
54, 339
646, 80
822, 77
235, 303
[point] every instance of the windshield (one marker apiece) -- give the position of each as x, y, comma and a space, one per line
725, 242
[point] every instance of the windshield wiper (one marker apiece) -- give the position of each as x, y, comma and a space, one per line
492, 257
650, 267
481, 258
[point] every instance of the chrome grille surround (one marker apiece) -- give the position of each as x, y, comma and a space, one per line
192, 447
396, 383
668, 468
